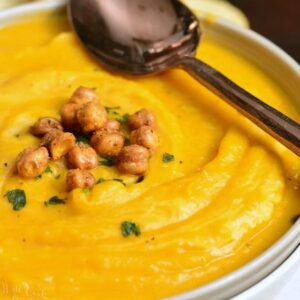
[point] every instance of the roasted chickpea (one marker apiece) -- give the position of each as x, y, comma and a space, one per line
79, 179
49, 137
133, 160
112, 125
107, 143
91, 116
83, 95
32, 162
146, 137
44, 125
82, 157
141, 118
58, 143
69, 117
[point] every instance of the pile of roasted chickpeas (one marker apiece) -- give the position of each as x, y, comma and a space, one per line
85, 114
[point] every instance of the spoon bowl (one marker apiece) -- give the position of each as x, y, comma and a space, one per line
141, 37
136, 37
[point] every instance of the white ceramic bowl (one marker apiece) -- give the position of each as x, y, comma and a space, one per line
286, 73
281, 284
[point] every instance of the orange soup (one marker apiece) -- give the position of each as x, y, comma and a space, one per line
229, 193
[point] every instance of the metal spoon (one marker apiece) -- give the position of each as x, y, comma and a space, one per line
142, 37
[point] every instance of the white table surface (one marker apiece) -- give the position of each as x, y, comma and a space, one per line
282, 284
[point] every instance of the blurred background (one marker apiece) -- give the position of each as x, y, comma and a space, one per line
279, 20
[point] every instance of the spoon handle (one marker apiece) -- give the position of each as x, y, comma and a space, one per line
278, 125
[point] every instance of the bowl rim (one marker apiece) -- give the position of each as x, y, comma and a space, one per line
258, 268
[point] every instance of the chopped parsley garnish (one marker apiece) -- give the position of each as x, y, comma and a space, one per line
87, 191
294, 219
129, 228
119, 180
123, 119
167, 157
100, 180
54, 201
57, 176
17, 198
126, 140
38, 177
140, 179
81, 138
107, 161
112, 110
48, 170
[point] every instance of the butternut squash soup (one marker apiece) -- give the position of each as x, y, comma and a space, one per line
217, 193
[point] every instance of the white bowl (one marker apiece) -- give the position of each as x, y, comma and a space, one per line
286, 73
282, 283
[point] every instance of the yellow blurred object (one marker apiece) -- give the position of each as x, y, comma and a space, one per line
219, 9
8, 3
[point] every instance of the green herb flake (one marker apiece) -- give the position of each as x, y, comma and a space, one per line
54, 201
107, 161
126, 140
87, 191
57, 176
119, 180
167, 157
129, 228
17, 198
82, 138
140, 179
38, 177
123, 119
100, 180
48, 170
294, 219
112, 110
